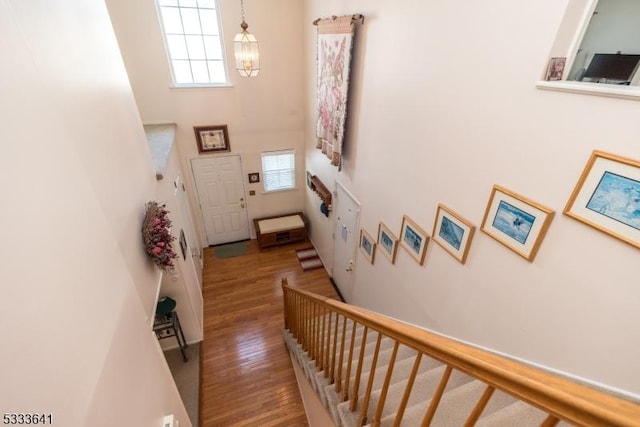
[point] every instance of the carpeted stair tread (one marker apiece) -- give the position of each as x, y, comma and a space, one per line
457, 404
332, 397
399, 382
308, 259
422, 391
404, 362
371, 337
519, 414
311, 264
306, 253
402, 368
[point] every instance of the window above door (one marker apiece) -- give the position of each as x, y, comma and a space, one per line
193, 38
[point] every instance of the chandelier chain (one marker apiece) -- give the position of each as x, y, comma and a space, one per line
242, 10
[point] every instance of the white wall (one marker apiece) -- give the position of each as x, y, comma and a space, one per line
78, 289
444, 106
262, 113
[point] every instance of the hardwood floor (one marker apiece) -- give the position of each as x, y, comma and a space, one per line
247, 376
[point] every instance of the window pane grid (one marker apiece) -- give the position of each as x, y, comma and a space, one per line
194, 45
187, 7
278, 169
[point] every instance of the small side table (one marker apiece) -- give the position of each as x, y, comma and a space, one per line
167, 326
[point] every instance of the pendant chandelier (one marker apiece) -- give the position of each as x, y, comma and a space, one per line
245, 47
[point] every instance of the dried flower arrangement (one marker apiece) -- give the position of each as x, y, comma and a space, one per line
156, 237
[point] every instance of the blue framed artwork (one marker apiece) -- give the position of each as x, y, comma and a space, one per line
517, 222
414, 239
387, 242
453, 232
367, 245
607, 196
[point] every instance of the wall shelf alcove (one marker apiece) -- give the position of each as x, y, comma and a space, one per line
321, 190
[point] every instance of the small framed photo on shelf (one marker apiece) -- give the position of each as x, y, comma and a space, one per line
453, 232
367, 245
555, 69
515, 221
387, 242
254, 177
414, 239
212, 139
607, 197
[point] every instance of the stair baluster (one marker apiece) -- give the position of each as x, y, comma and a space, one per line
332, 374
367, 394
340, 362
435, 400
347, 378
550, 421
327, 347
504, 392
482, 403
375, 422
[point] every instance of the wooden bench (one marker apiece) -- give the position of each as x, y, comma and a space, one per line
280, 229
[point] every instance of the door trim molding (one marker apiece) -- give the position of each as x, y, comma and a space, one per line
358, 211
350, 194
201, 228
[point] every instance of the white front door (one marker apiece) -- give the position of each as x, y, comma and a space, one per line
220, 187
345, 241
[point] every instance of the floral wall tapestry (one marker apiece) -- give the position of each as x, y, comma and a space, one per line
335, 38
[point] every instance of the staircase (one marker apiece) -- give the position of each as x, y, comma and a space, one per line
369, 370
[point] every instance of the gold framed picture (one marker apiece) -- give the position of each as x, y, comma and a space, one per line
453, 232
212, 139
607, 196
387, 242
367, 245
517, 222
414, 239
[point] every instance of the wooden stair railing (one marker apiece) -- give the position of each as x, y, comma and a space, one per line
305, 317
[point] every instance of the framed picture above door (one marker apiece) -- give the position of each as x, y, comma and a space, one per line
212, 139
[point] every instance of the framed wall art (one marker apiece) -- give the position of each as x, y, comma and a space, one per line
555, 69
517, 222
212, 139
607, 197
453, 232
254, 177
414, 239
387, 242
183, 244
367, 245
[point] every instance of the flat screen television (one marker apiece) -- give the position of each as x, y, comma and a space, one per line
612, 66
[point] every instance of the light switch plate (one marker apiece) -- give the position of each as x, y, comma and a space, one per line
169, 421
